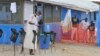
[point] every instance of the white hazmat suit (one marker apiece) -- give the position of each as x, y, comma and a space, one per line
29, 33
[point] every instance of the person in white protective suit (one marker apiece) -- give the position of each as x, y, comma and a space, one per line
85, 24
32, 24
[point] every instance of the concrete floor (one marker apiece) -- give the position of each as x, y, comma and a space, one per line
67, 49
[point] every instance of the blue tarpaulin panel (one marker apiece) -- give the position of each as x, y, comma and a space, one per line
63, 13
98, 28
73, 12
7, 33
48, 27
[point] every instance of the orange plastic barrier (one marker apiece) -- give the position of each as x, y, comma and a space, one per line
79, 35
92, 37
83, 35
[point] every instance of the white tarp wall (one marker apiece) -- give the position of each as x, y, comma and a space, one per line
28, 10
81, 5
95, 0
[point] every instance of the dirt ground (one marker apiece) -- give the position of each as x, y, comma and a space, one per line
60, 50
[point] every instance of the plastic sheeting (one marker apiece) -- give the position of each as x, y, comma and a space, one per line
66, 23
98, 28
57, 30
7, 33
95, 0
82, 5
56, 27
83, 35
48, 27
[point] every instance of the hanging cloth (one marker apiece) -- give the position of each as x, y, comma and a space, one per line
13, 7
66, 23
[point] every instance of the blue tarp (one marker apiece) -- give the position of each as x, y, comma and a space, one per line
7, 33
98, 28
64, 11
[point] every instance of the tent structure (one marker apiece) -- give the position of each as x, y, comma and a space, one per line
81, 5
96, 1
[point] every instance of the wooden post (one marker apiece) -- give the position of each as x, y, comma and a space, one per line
4, 42
14, 50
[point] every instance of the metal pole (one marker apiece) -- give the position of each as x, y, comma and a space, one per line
14, 50
4, 42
